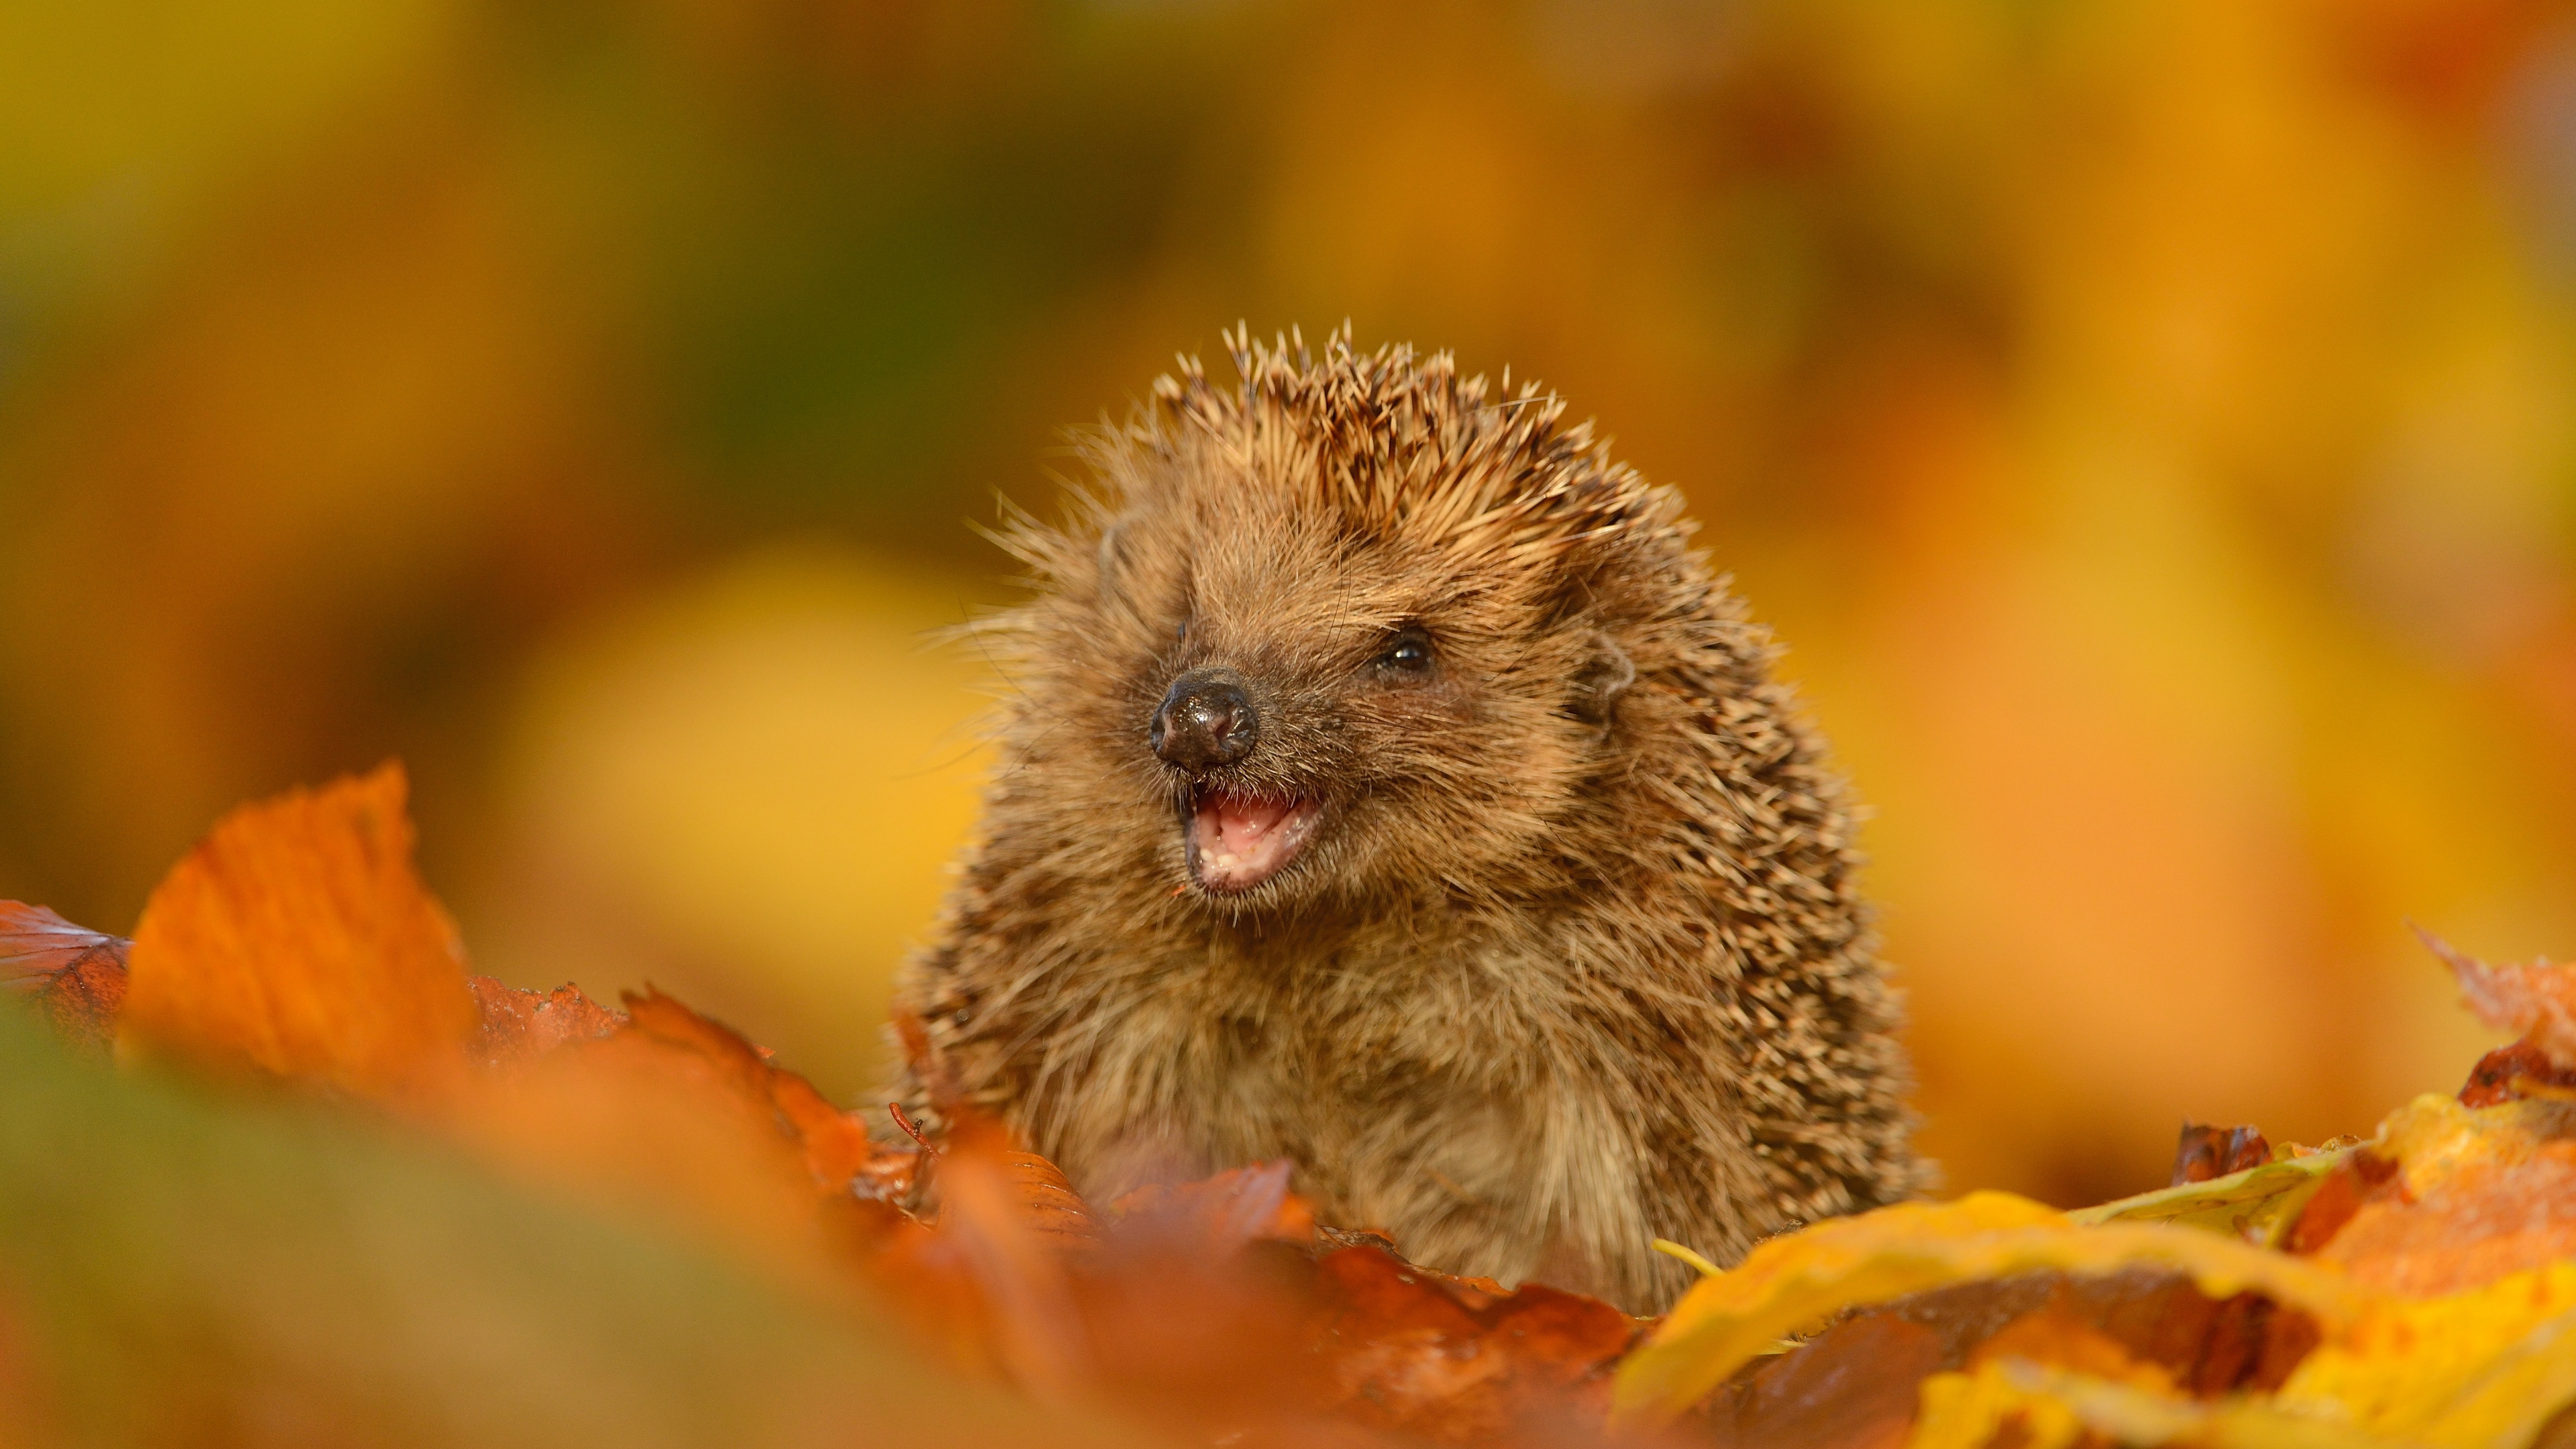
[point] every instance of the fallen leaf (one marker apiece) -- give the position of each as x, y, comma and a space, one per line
1222, 1213
2515, 1070
2257, 1204
2051, 1335
1991, 1405
2206, 1152
836, 1144
36, 946
1854, 1387
2360, 1177
296, 938
2483, 1368
77, 974
992, 1284
1456, 1360
1797, 1280
2536, 1002
517, 1024
2480, 1194
2041, 1406
657, 1124
1046, 1201
1856, 1381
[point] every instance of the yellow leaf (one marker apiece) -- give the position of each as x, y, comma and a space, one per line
1798, 1280
2435, 1138
1967, 1411
2482, 1368
2258, 1204
2055, 1407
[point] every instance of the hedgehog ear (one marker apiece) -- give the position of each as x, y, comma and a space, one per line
1599, 683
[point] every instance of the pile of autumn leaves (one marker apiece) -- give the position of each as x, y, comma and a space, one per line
2415, 1289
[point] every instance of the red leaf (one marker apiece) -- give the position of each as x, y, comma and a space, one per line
2518, 1069
36, 946
1460, 1359
1853, 1387
2206, 1152
1855, 1383
78, 974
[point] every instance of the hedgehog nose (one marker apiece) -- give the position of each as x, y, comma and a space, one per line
1204, 721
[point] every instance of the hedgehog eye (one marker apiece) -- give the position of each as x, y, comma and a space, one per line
1408, 655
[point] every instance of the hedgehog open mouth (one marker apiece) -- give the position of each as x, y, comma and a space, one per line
1238, 840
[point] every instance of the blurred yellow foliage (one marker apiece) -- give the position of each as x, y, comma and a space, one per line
746, 792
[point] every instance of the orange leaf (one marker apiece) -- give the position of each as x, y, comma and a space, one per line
2537, 1001
836, 1145
2051, 1335
297, 938
1456, 1360
78, 974
1222, 1213
652, 1121
671, 1109
993, 1281
1032, 1190
2483, 1194
518, 1024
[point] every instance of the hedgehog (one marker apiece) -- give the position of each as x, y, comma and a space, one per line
1385, 785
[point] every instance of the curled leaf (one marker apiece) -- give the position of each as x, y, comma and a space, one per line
1854, 1385
1793, 1282
994, 1282
2516, 1069
2042, 1406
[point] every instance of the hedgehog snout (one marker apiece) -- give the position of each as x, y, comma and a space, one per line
1205, 720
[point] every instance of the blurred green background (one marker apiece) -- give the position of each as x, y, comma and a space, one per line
2148, 423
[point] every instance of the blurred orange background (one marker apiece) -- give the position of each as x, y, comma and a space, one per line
2147, 423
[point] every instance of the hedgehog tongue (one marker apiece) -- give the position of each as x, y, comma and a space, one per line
1239, 841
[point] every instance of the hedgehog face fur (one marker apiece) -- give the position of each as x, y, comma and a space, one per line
1308, 707
1386, 786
